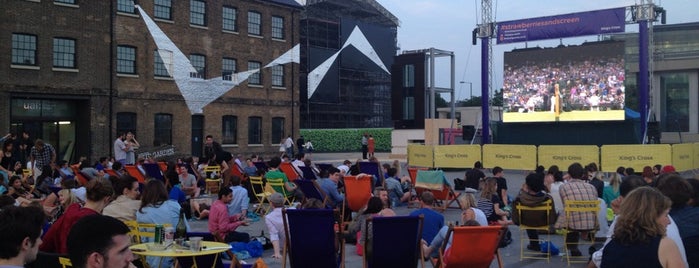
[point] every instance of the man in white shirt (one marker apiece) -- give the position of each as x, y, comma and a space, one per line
120, 148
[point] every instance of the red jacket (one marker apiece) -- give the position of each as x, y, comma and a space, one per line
56, 237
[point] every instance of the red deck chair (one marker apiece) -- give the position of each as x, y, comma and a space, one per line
163, 166
357, 192
481, 243
82, 179
111, 172
134, 172
289, 171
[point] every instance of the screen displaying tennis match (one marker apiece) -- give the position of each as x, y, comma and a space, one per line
566, 83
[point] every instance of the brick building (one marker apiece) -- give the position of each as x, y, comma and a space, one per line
80, 71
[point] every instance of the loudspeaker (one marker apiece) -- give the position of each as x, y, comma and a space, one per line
468, 132
653, 131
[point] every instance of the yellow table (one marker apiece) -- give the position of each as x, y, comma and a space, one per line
208, 248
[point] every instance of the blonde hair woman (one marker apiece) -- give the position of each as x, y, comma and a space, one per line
639, 235
468, 206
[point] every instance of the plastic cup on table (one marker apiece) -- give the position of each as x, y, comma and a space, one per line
195, 243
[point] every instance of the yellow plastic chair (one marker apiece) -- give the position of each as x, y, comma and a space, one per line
65, 262
575, 208
278, 184
544, 210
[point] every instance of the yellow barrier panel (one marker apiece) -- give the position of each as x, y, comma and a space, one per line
635, 156
420, 155
564, 155
696, 154
682, 156
456, 156
507, 156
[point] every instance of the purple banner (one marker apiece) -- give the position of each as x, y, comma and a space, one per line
574, 24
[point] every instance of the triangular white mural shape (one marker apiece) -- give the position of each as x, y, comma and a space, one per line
357, 40
198, 92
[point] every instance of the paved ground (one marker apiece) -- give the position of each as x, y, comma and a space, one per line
510, 254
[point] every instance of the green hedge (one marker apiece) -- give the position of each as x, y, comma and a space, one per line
347, 140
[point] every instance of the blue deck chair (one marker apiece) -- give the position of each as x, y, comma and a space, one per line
395, 242
308, 173
261, 166
311, 239
311, 189
323, 166
372, 168
153, 171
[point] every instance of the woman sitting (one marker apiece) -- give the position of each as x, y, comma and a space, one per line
157, 208
491, 204
639, 238
127, 199
532, 194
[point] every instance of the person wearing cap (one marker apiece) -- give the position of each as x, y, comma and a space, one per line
223, 224
668, 169
275, 224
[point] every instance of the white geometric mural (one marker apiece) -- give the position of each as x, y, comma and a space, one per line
198, 92
357, 40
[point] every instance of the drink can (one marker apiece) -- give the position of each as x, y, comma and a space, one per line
158, 234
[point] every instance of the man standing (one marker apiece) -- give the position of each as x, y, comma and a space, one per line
223, 224
365, 146
433, 221
299, 144
41, 155
329, 186
20, 235
120, 149
212, 149
24, 146
577, 190
100, 241
289, 145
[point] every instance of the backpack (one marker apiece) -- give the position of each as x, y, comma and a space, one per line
459, 184
506, 239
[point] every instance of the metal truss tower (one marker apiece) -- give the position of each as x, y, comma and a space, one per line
485, 32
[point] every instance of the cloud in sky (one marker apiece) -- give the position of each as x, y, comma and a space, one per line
447, 25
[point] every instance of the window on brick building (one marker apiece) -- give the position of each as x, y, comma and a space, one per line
197, 12
199, 64
255, 78
230, 19
23, 49
228, 68
162, 9
254, 23
277, 27
64, 53
278, 75
71, 2
159, 68
125, 122
126, 6
162, 129
277, 129
255, 130
126, 59
229, 128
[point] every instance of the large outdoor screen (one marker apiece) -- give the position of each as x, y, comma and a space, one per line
566, 83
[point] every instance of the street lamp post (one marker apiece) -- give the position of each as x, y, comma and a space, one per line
470, 87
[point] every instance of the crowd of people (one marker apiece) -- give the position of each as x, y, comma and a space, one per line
594, 84
655, 212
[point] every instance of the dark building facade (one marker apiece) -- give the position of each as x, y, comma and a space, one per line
347, 48
408, 91
81, 71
